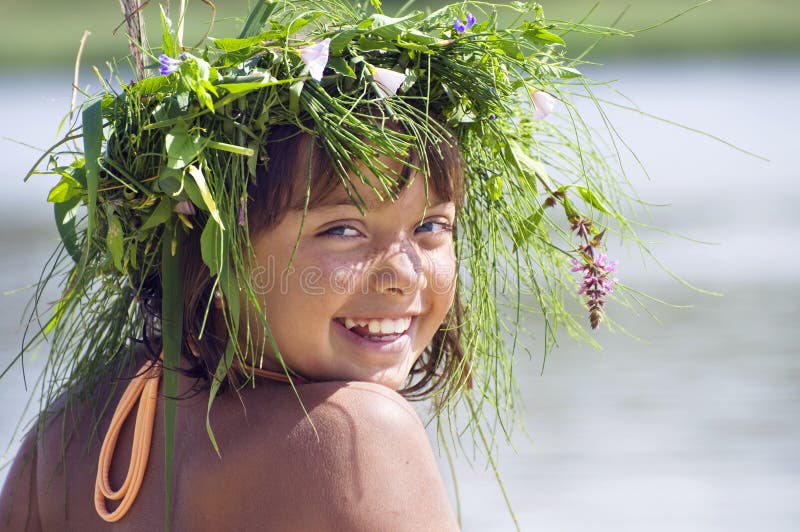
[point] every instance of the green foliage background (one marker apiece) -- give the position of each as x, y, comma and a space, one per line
45, 33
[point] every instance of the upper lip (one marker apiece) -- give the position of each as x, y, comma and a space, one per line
379, 317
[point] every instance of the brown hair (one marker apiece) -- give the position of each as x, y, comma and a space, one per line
270, 198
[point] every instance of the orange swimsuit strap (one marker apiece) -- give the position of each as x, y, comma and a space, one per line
144, 388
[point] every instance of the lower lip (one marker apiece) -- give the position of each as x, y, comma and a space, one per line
395, 343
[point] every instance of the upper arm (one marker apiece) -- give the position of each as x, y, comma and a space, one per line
19, 509
375, 469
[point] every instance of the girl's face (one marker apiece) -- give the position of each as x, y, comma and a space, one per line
365, 293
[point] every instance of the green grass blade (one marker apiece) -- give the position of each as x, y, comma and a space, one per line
172, 329
258, 16
92, 139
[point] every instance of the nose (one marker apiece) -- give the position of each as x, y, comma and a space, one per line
398, 269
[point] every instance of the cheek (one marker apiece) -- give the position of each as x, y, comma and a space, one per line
339, 274
441, 270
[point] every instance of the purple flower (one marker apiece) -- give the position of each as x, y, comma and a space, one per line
167, 65
460, 26
470, 20
596, 283
185, 207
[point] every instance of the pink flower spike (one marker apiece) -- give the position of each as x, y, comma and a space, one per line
315, 58
185, 207
242, 219
387, 82
543, 104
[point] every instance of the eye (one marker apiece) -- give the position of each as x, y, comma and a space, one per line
344, 231
432, 226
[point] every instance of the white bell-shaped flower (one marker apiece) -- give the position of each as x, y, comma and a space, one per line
315, 57
387, 82
543, 104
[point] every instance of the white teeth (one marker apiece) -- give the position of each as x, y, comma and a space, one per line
383, 326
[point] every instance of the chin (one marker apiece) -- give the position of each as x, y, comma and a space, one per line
394, 379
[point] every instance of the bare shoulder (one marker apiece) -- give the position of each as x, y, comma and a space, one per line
364, 403
377, 458
18, 501
358, 458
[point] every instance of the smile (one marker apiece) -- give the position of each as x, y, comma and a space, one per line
377, 326
386, 334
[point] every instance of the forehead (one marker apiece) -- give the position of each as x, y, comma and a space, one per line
297, 172
415, 192
363, 188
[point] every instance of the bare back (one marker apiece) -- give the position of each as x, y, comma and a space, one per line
359, 460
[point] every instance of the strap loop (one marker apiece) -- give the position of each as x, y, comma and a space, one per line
143, 387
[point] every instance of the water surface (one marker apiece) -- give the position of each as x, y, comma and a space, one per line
694, 429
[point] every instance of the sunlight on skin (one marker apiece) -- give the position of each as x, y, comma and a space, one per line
395, 262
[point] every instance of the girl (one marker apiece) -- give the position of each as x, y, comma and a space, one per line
302, 227
352, 312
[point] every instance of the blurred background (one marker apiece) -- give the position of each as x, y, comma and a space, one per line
692, 423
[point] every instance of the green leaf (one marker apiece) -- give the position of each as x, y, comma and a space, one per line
77, 170
247, 86
220, 374
300, 23
182, 147
294, 96
232, 148
167, 42
155, 85
257, 18
66, 222
494, 187
196, 76
92, 140
590, 198
234, 45
366, 44
390, 28
191, 190
416, 40
565, 72
160, 214
366, 23
532, 170
341, 67
65, 190
170, 182
541, 35
569, 211
208, 200
211, 246
340, 41
508, 47
172, 339
527, 228
114, 242
230, 289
